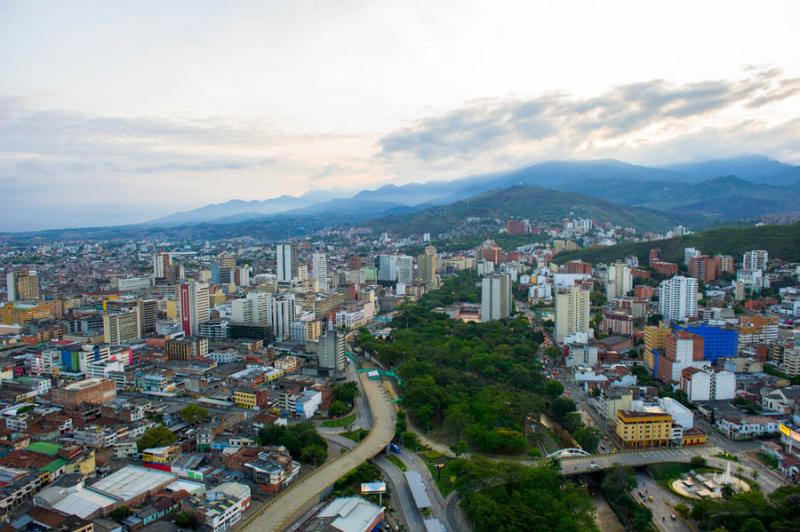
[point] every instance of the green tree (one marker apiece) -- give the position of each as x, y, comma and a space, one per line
120, 513
346, 392
186, 520
157, 436
338, 408
698, 462
194, 413
588, 438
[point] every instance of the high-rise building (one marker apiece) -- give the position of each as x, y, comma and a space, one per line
254, 308
619, 280
164, 269
573, 307
122, 326
426, 268
725, 264
677, 298
332, 349
319, 266
22, 286
495, 297
387, 268
655, 337
405, 269
286, 256
756, 259
688, 253
194, 306
282, 315
704, 268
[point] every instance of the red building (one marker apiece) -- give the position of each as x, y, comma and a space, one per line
642, 291
491, 252
666, 269
638, 273
517, 227
578, 266
680, 348
655, 256
704, 268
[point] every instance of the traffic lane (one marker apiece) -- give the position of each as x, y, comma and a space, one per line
662, 505
408, 509
415, 463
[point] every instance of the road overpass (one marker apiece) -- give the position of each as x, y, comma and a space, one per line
575, 465
290, 504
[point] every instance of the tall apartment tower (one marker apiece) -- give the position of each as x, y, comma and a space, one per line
331, 350
254, 308
22, 286
495, 297
405, 269
573, 307
677, 298
756, 259
286, 256
165, 269
194, 306
426, 265
319, 266
619, 280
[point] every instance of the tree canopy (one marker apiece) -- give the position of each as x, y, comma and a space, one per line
194, 413
157, 436
302, 440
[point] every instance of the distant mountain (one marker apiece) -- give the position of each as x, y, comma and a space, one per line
719, 198
523, 201
606, 178
756, 168
781, 241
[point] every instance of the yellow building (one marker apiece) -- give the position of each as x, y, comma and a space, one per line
24, 312
655, 337
161, 455
644, 429
86, 465
250, 397
172, 309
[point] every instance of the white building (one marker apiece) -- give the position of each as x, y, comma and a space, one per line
581, 355
619, 280
495, 297
708, 385
387, 268
281, 316
286, 258
573, 307
756, 259
319, 267
307, 403
405, 269
677, 298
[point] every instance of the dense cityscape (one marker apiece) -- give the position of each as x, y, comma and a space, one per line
375, 266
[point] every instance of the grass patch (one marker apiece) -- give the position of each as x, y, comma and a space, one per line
355, 435
664, 473
767, 459
443, 478
396, 461
341, 422
727, 456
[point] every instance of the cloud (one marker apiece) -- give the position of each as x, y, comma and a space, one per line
566, 126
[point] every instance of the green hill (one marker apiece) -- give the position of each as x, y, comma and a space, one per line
534, 203
781, 241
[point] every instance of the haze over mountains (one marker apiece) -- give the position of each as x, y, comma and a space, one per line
717, 190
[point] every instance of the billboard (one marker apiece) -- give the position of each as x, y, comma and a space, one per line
373, 487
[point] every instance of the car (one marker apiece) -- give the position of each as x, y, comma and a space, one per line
673, 517
650, 498
641, 494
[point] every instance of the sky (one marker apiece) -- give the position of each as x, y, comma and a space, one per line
120, 112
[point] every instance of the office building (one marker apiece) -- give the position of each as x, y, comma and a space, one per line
332, 349
254, 308
193, 306
405, 269
122, 326
573, 307
319, 270
387, 268
427, 264
286, 257
677, 298
495, 297
22, 286
644, 429
281, 316
164, 269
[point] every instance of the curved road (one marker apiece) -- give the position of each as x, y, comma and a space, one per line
283, 509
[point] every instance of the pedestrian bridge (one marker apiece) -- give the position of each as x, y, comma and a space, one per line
567, 453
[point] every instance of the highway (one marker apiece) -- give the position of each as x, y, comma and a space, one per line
662, 505
641, 457
289, 504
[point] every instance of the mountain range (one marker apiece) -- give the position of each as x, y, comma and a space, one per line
707, 192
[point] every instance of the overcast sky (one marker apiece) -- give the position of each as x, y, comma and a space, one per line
118, 112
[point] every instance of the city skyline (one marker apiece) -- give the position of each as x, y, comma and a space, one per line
111, 116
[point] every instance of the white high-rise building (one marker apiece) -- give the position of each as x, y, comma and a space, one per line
756, 259
281, 316
194, 306
387, 268
286, 257
495, 297
405, 269
319, 265
677, 298
252, 309
573, 306
619, 280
